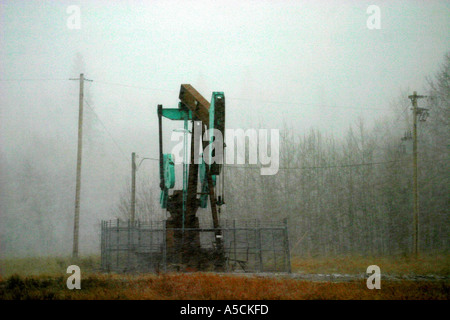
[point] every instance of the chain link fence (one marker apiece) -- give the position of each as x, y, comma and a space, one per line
248, 246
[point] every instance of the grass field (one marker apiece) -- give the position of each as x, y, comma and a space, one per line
46, 279
203, 286
437, 265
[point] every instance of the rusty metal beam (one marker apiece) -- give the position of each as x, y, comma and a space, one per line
192, 99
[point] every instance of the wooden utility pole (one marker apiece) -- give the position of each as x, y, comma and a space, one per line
79, 157
416, 112
78, 183
133, 187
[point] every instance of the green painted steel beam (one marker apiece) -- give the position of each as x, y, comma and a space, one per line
176, 114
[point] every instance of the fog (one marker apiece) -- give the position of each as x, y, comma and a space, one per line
288, 65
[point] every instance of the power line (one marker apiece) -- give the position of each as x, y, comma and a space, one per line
33, 79
132, 86
400, 114
247, 99
308, 104
319, 167
316, 167
327, 167
229, 98
107, 131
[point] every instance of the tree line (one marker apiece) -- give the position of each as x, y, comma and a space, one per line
349, 193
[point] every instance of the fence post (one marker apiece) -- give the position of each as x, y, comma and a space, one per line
118, 244
258, 244
128, 245
151, 234
165, 247
102, 247
139, 235
247, 230
286, 245
274, 251
234, 241
107, 246
109, 237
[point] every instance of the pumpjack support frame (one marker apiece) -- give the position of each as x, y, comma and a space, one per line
183, 204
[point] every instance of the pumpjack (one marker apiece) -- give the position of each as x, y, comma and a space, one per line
200, 175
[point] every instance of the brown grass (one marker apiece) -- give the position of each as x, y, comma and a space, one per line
205, 286
45, 278
426, 264
46, 265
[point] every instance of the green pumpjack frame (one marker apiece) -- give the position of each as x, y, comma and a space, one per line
211, 116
